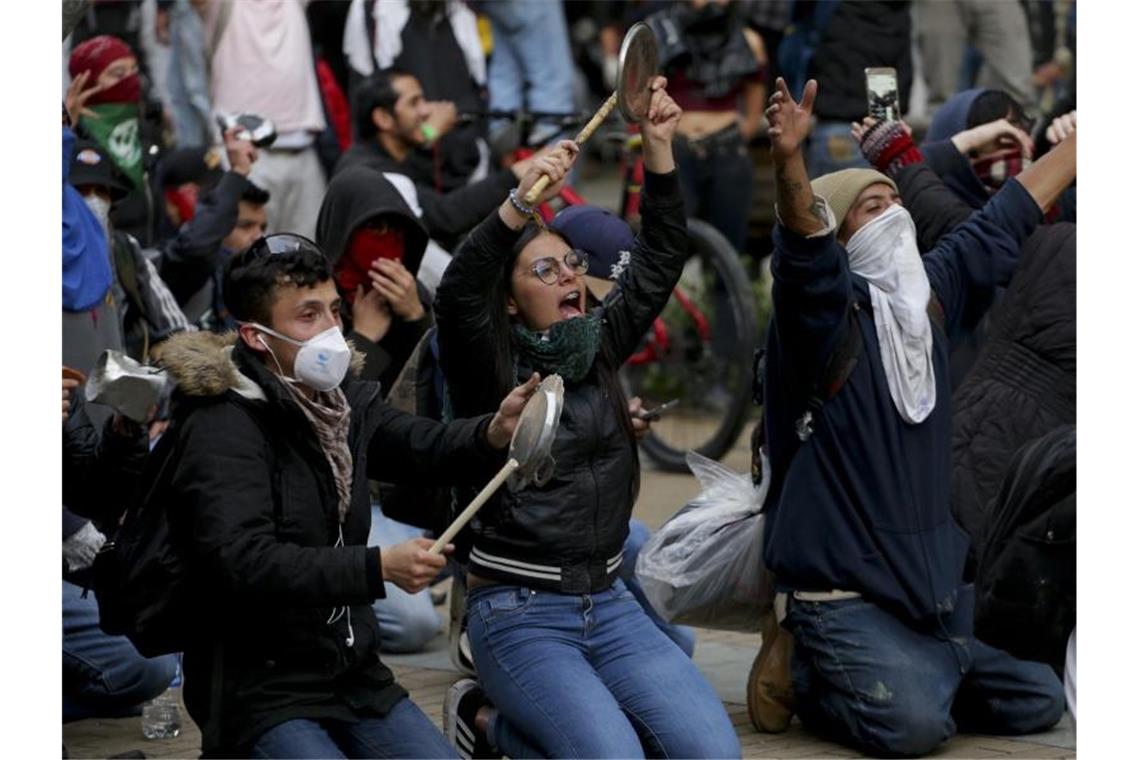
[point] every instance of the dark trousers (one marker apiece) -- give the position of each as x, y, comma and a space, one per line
865, 678
716, 177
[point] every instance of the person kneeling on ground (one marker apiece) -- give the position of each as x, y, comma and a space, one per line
859, 531
571, 662
267, 462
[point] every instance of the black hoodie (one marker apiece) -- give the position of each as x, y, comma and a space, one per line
448, 216
354, 196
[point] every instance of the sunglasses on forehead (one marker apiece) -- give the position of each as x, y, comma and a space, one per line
546, 268
281, 242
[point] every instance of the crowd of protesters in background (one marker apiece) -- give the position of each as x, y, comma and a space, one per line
310, 214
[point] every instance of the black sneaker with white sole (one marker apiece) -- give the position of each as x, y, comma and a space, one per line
462, 702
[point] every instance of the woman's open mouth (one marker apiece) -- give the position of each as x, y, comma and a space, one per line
571, 305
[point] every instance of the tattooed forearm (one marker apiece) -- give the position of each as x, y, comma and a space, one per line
799, 210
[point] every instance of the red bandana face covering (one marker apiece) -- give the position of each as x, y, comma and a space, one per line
126, 90
994, 170
365, 246
184, 198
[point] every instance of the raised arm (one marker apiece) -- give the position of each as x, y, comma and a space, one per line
659, 253
1047, 178
790, 124
811, 282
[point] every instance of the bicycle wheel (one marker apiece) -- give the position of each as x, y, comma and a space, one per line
700, 353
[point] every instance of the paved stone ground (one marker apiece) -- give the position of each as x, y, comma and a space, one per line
723, 657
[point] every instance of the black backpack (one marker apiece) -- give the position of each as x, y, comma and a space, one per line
1026, 582
140, 575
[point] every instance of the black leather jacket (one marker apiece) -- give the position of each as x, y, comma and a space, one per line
567, 535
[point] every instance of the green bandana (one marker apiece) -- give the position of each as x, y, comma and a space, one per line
568, 348
117, 132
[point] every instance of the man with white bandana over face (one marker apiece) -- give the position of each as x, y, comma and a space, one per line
859, 531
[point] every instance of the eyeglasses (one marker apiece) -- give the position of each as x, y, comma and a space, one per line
547, 268
281, 242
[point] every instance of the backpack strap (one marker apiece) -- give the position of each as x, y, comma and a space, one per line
839, 366
936, 312
127, 274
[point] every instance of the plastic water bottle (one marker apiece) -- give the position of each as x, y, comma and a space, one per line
161, 718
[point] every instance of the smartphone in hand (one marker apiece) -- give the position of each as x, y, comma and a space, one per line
883, 93
651, 415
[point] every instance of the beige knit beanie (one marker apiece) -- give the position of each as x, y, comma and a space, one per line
841, 188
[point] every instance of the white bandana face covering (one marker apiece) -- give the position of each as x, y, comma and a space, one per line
884, 252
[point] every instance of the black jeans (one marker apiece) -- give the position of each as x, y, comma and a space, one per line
716, 177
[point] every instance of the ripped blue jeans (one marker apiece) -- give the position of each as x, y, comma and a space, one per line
865, 678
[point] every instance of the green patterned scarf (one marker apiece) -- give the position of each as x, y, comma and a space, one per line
568, 347
117, 131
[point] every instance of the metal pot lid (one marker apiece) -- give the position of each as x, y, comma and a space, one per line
537, 428
637, 65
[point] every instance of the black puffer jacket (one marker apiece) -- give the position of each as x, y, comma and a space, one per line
1025, 381
566, 536
1021, 383
253, 494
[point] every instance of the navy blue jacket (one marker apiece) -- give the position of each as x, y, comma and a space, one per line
864, 504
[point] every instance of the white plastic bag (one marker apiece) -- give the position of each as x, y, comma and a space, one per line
704, 566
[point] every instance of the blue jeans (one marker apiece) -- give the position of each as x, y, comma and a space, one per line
531, 63
407, 621
589, 675
104, 676
831, 148
404, 732
682, 635
865, 678
190, 107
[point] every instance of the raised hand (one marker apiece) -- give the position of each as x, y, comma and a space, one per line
859, 131
658, 128
442, 118
398, 286
241, 153
371, 314
503, 424
556, 164
996, 133
75, 102
789, 122
1062, 127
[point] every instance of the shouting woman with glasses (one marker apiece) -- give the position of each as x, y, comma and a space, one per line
567, 657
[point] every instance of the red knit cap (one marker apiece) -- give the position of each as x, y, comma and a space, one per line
96, 54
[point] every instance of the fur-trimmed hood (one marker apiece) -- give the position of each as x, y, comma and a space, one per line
201, 364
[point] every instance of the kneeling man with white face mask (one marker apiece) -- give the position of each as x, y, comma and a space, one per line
859, 531
265, 472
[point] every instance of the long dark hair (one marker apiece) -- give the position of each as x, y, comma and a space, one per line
504, 365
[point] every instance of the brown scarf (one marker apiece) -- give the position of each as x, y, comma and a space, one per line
329, 414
